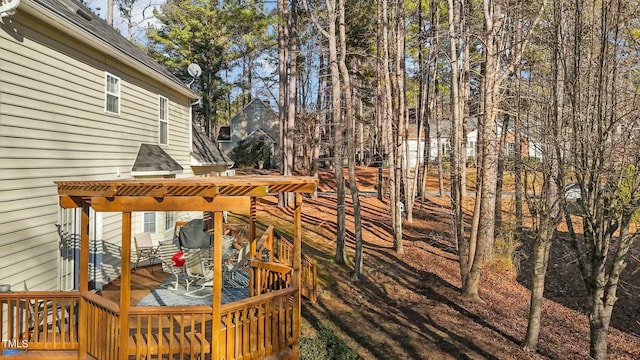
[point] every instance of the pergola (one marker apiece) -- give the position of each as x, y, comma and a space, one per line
208, 194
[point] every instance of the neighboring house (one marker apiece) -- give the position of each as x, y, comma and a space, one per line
529, 147
442, 140
255, 120
79, 101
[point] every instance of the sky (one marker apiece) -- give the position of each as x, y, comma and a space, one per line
100, 7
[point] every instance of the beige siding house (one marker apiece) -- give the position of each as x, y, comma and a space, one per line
78, 101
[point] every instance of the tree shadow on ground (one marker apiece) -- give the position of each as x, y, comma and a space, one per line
564, 283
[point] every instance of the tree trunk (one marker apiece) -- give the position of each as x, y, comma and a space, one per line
291, 35
350, 125
455, 24
283, 45
389, 114
486, 223
401, 125
337, 134
540, 262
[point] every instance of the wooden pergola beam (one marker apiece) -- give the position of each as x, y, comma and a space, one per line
183, 203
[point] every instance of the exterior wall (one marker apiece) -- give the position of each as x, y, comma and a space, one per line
255, 115
53, 126
415, 153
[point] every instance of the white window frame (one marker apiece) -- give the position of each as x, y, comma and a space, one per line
163, 119
115, 93
169, 220
151, 229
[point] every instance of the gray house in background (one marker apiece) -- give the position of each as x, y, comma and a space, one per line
255, 120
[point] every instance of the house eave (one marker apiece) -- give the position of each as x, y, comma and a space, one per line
43, 14
155, 173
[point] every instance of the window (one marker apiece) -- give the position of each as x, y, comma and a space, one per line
224, 134
112, 94
510, 149
471, 148
169, 220
163, 126
149, 222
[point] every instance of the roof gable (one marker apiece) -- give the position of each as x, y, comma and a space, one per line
254, 102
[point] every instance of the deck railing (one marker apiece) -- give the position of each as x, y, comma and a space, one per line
38, 320
103, 326
181, 332
281, 249
258, 326
268, 276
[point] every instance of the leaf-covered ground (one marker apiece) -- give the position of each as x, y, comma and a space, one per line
408, 306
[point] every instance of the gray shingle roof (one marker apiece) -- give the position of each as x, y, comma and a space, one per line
206, 151
85, 21
152, 159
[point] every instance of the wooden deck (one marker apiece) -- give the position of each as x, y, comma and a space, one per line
143, 280
261, 326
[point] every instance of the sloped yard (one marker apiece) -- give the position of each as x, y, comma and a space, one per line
407, 306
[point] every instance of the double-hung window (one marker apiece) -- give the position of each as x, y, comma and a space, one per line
169, 220
149, 222
112, 94
163, 126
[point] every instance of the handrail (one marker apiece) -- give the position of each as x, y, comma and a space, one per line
265, 241
38, 294
168, 310
101, 302
271, 266
256, 299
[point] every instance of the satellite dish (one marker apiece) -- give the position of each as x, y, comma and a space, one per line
194, 70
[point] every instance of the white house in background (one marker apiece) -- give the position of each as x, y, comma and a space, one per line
79, 101
443, 141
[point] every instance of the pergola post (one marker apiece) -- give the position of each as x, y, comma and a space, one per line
297, 276
217, 284
84, 280
125, 284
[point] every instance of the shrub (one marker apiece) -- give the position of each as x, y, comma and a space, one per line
506, 251
249, 152
326, 345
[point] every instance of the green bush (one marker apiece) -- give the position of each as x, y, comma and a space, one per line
326, 345
248, 153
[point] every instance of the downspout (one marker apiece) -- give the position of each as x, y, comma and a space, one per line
8, 7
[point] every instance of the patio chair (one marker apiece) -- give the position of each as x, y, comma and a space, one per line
199, 270
235, 273
145, 250
46, 316
166, 251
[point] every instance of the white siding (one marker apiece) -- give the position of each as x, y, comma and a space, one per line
53, 127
